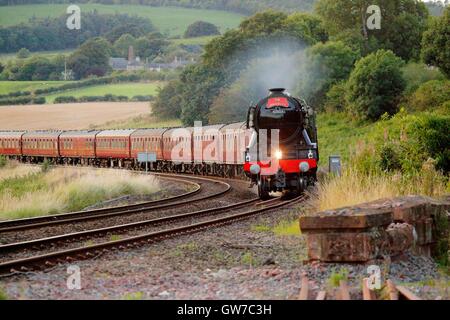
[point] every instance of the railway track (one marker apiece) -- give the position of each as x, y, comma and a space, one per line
50, 259
389, 291
73, 217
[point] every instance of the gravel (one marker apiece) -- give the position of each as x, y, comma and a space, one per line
245, 260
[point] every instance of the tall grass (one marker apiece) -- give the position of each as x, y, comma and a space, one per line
354, 187
66, 189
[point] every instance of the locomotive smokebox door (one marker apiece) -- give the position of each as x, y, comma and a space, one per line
335, 165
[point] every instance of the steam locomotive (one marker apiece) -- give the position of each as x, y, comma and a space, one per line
283, 151
276, 148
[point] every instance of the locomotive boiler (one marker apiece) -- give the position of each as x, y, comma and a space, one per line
283, 153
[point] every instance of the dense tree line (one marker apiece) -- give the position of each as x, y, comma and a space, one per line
52, 34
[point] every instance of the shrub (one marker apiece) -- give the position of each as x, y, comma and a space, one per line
23, 53
389, 158
430, 96
375, 85
416, 74
39, 100
143, 98
14, 101
429, 136
335, 98
65, 99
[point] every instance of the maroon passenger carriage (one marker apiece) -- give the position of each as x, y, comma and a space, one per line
227, 150
78, 147
11, 143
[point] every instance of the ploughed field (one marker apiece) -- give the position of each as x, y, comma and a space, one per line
68, 116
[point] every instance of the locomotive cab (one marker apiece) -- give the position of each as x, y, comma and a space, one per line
282, 154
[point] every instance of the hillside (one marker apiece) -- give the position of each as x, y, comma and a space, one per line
242, 6
169, 20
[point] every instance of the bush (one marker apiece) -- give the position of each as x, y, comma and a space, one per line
14, 101
40, 100
143, 98
200, 29
430, 96
375, 85
65, 99
416, 74
335, 100
23, 53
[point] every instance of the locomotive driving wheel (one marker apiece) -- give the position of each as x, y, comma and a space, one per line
262, 190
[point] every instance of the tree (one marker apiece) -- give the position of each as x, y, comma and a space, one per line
168, 102
402, 24
23, 53
375, 85
150, 46
122, 45
326, 64
200, 29
307, 26
267, 34
91, 58
436, 43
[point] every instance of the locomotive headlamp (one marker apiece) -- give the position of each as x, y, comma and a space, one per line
255, 169
278, 154
304, 166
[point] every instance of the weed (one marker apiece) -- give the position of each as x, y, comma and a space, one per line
3, 295
114, 237
260, 228
336, 277
133, 296
248, 259
287, 228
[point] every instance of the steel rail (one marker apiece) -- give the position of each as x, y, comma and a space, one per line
71, 217
92, 250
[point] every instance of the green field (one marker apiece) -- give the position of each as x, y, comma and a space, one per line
12, 86
170, 20
119, 89
5, 57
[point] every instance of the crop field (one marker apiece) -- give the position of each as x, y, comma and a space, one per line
69, 116
142, 121
119, 89
170, 20
13, 86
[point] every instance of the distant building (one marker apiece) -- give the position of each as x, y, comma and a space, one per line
118, 63
135, 63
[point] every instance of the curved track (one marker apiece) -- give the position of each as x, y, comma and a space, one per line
227, 215
64, 218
